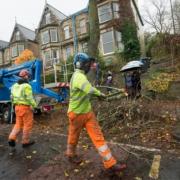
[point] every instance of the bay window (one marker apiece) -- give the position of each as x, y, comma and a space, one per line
14, 51
105, 13
120, 45
107, 41
108, 12
116, 10
55, 56
45, 37
20, 48
53, 33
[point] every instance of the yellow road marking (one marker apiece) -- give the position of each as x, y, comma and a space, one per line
154, 171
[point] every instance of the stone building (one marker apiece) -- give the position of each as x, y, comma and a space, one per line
22, 38
59, 36
4, 54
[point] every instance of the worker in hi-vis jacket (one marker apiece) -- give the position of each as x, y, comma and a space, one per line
22, 98
81, 115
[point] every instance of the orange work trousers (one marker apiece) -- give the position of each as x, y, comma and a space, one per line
24, 121
88, 120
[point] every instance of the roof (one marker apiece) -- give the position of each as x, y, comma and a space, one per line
85, 10
27, 33
56, 12
3, 44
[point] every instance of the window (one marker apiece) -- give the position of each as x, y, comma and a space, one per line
14, 51
48, 18
107, 42
55, 56
45, 37
105, 13
84, 47
120, 45
6, 56
47, 58
1, 57
20, 48
66, 32
82, 25
68, 51
116, 10
17, 36
53, 33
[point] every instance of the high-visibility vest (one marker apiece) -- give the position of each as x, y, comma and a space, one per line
80, 92
22, 94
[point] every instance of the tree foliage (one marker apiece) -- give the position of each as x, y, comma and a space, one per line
130, 41
26, 55
159, 83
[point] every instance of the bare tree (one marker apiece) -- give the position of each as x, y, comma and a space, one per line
158, 18
176, 10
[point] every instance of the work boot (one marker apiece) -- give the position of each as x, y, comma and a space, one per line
30, 143
12, 143
74, 159
117, 169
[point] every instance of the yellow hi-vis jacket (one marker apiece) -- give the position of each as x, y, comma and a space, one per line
80, 92
22, 94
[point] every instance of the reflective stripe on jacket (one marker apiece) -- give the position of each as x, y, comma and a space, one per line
22, 94
80, 91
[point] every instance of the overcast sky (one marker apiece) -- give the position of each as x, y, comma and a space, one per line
28, 13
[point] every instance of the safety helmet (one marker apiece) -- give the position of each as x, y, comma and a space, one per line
81, 58
24, 73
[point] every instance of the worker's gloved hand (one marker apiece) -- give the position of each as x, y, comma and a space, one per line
102, 96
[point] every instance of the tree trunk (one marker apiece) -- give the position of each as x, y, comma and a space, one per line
94, 33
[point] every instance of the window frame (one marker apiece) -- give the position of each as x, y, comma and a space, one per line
17, 36
56, 35
14, 48
48, 18
42, 37
84, 47
66, 29
102, 43
82, 27
119, 41
45, 59
18, 48
68, 54
1, 57
57, 56
100, 14
116, 14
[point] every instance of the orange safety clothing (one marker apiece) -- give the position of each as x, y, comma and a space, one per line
88, 121
24, 121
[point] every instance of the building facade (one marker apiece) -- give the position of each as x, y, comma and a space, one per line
59, 36
4, 54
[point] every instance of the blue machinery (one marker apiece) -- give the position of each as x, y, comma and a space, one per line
10, 75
